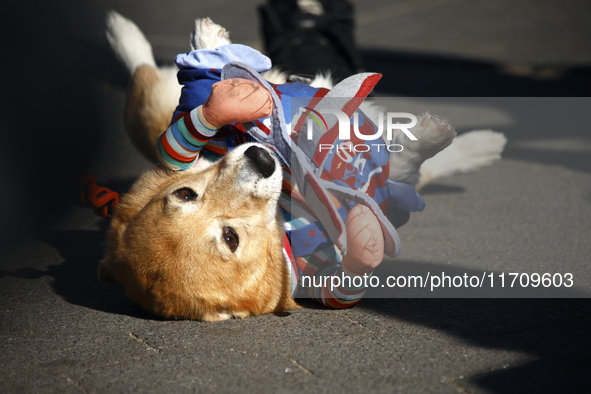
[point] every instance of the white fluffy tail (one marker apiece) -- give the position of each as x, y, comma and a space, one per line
128, 42
468, 152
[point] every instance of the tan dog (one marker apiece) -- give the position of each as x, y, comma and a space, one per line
206, 243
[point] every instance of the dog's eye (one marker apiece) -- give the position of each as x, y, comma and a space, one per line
185, 194
231, 238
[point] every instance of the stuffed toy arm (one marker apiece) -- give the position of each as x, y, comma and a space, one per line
230, 101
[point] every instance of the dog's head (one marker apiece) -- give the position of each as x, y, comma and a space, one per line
204, 243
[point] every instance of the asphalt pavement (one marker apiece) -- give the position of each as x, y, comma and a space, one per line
522, 68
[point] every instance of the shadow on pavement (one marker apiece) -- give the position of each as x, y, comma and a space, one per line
578, 161
436, 188
554, 332
75, 279
429, 75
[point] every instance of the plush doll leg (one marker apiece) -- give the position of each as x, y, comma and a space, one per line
236, 101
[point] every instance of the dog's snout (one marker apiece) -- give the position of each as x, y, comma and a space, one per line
261, 160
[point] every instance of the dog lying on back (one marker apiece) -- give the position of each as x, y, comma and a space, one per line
207, 243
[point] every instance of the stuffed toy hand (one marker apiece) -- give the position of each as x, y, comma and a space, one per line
236, 101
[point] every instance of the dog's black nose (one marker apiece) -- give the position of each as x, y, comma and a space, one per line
261, 160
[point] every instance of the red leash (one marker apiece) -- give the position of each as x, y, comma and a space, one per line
103, 200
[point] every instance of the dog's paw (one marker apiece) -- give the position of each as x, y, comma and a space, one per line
433, 135
208, 35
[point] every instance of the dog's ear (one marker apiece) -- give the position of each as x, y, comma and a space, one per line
104, 272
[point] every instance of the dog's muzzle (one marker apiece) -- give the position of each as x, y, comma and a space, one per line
261, 160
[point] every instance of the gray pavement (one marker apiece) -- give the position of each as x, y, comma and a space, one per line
62, 331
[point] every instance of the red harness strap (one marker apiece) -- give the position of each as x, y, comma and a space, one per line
103, 200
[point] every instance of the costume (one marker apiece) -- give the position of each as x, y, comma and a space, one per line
320, 186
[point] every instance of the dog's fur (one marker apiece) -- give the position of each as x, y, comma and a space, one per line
170, 252
170, 243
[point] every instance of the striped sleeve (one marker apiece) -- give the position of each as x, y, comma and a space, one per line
180, 144
345, 290
348, 291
